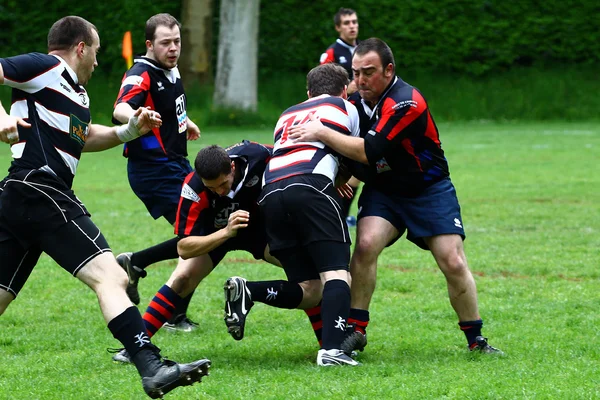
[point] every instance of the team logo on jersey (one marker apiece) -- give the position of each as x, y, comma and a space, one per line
181, 113
132, 80
222, 216
84, 98
160, 86
323, 58
382, 166
252, 181
188, 193
343, 60
457, 223
405, 103
78, 130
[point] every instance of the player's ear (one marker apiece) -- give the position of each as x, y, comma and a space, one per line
308, 94
80, 47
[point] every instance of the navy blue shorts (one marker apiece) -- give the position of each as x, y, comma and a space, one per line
158, 185
434, 212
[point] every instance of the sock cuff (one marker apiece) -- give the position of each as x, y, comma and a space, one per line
116, 324
470, 324
360, 315
336, 284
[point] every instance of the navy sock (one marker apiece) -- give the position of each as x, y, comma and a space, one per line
472, 329
181, 309
335, 308
160, 309
166, 250
360, 319
280, 294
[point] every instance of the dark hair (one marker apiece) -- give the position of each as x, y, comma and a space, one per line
212, 162
327, 78
68, 32
337, 18
157, 20
378, 46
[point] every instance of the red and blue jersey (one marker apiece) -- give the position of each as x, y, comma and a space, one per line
297, 158
146, 84
402, 142
202, 212
341, 53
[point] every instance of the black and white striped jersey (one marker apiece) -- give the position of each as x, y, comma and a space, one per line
298, 158
47, 95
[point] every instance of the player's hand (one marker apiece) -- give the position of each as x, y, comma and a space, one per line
193, 132
147, 120
237, 220
345, 191
308, 132
8, 128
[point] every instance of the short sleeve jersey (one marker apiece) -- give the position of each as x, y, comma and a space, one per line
298, 158
402, 142
202, 212
339, 52
47, 95
146, 84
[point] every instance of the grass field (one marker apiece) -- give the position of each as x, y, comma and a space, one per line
530, 194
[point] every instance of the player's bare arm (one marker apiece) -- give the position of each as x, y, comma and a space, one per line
348, 146
101, 137
194, 246
193, 132
122, 112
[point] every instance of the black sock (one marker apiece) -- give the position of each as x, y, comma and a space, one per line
335, 308
181, 310
472, 329
129, 329
360, 319
280, 294
166, 250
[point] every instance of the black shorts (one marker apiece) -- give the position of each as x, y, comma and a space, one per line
72, 246
300, 210
306, 229
251, 239
35, 203
305, 263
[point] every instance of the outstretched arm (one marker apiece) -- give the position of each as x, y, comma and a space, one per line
101, 137
348, 146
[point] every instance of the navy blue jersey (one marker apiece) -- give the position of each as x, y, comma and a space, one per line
46, 94
146, 84
339, 52
202, 212
298, 158
401, 142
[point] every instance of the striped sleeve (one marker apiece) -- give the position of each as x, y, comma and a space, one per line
30, 72
191, 209
134, 89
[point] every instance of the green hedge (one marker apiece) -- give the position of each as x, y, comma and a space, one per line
24, 26
466, 36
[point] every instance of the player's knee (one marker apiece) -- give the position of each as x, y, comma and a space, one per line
452, 264
312, 292
365, 248
182, 284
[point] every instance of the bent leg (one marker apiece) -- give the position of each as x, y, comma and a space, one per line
372, 235
449, 254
